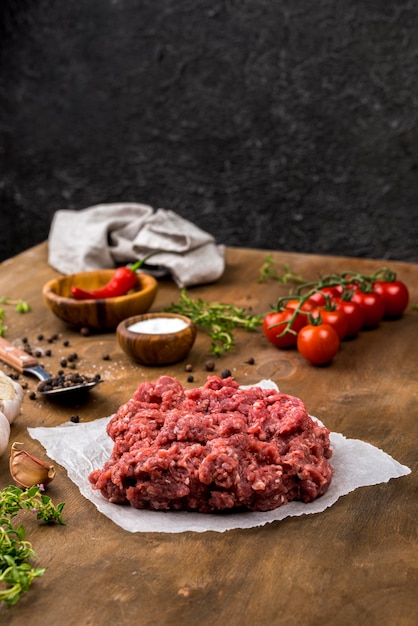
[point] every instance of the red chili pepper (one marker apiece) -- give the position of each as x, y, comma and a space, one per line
121, 282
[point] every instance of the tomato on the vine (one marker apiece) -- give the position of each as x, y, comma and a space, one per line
333, 291
317, 299
274, 324
333, 317
302, 316
348, 287
372, 305
323, 295
395, 296
318, 344
354, 316
294, 304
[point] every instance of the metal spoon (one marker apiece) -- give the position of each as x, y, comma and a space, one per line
25, 363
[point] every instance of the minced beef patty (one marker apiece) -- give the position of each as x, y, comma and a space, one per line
214, 448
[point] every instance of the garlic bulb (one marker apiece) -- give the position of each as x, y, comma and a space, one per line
11, 397
27, 470
4, 433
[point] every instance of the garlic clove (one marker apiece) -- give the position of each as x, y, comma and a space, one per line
27, 470
4, 433
11, 397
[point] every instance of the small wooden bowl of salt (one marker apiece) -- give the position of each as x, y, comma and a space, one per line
156, 338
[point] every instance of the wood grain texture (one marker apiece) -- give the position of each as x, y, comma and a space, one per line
355, 563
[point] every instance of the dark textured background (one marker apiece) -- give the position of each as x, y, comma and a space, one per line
283, 124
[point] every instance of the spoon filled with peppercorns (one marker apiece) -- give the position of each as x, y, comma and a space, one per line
63, 383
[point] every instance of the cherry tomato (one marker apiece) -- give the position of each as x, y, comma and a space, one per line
319, 297
331, 291
306, 307
395, 296
294, 304
275, 322
318, 344
354, 316
345, 288
333, 317
372, 305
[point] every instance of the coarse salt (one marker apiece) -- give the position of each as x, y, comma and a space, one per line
158, 325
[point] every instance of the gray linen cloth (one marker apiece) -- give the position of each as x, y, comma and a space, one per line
108, 235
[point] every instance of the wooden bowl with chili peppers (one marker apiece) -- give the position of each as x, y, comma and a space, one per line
100, 299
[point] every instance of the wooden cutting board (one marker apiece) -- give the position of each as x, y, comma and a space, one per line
355, 563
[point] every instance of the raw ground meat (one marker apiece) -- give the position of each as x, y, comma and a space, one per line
213, 448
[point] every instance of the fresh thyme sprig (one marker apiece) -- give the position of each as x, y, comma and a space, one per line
16, 570
21, 306
268, 271
217, 319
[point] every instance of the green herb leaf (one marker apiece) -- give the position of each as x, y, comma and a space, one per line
268, 271
20, 306
16, 570
217, 319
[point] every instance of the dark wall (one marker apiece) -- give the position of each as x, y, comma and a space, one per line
284, 124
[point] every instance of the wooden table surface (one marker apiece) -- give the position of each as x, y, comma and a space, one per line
355, 563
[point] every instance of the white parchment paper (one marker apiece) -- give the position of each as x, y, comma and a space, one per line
82, 448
